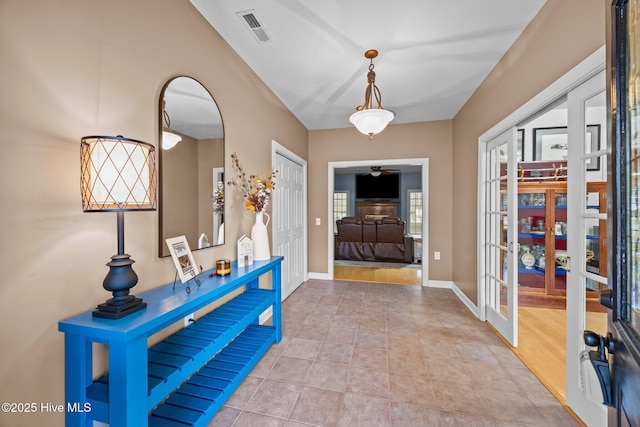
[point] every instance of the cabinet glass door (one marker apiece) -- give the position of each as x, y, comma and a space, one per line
532, 230
542, 228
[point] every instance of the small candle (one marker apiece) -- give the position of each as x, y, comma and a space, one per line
223, 267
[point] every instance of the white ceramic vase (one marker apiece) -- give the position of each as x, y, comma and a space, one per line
260, 238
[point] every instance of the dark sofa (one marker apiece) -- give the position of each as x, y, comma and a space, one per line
373, 240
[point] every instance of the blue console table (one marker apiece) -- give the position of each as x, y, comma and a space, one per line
185, 378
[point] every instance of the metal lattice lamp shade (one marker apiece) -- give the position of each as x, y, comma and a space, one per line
118, 174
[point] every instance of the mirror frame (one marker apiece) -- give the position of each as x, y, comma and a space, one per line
162, 247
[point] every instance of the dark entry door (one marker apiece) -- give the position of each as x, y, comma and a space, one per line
624, 222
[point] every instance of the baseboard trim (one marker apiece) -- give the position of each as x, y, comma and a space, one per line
319, 276
439, 284
266, 315
443, 284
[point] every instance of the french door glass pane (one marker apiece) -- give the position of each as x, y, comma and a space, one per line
632, 302
594, 223
496, 229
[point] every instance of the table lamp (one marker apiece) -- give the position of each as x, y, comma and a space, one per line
117, 174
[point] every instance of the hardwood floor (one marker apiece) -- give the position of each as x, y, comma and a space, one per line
542, 344
394, 274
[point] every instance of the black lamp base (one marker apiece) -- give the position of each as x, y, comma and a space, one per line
111, 311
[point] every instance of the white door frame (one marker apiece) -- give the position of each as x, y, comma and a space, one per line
277, 148
423, 162
588, 68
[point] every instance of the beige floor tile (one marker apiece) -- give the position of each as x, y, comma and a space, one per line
328, 376
368, 382
250, 419
414, 389
371, 339
302, 348
360, 410
317, 407
369, 358
335, 352
407, 415
407, 363
374, 355
290, 369
274, 398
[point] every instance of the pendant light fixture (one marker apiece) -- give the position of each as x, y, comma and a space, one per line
169, 139
367, 119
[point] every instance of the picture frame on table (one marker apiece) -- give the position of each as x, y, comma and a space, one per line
182, 258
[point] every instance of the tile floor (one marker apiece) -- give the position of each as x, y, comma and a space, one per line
370, 354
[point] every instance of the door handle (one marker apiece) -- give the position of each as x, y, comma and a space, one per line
606, 298
600, 362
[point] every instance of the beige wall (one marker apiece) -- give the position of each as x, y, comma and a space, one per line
563, 34
430, 140
82, 67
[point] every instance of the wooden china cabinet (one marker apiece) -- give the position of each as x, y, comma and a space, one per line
542, 237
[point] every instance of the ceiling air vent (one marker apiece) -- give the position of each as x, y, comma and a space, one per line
254, 25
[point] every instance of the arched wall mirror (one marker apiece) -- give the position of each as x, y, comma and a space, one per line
191, 197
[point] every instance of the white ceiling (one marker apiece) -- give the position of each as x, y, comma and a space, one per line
433, 53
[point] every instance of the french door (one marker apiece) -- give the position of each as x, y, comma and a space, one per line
586, 241
499, 257
623, 337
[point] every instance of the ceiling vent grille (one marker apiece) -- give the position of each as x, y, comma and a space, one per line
252, 22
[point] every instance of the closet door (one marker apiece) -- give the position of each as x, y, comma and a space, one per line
288, 222
499, 234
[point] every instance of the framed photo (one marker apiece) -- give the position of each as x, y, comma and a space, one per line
550, 143
593, 145
182, 258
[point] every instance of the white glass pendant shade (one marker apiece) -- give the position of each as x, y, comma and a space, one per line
169, 140
371, 121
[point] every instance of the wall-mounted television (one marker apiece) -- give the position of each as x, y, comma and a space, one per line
385, 186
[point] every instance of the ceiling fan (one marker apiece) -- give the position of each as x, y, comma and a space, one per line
378, 170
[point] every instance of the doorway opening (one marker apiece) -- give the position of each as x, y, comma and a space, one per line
377, 218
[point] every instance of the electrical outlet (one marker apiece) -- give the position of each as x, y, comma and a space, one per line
317, 221
189, 320
436, 255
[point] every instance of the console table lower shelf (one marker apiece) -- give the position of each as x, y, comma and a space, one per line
188, 375
196, 402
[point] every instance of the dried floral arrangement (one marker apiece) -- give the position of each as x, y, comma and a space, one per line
255, 190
